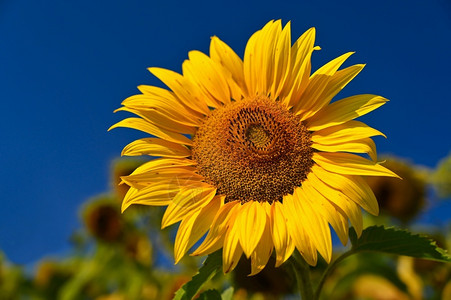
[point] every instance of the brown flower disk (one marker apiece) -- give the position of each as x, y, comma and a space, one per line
253, 150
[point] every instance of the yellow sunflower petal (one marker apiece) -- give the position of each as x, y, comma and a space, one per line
250, 63
349, 131
237, 93
333, 214
208, 76
300, 82
348, 207
350, 164
261, 254
155, 195
237, 89
166, 175
361, 193
224, 55
232, 250
215, 236
267, 43
337, 194
167, 170
366, 145
258, 51
344, 110
143, 125
296, 226
232, 257
311, 100
288, 251
183, 235
187, 200
160, 119
176, 172
337, 82
302, 48
280, 235
155, 147
182, 87
194, 226
297, 80
301, 51
162, 163
154, 98
252, 221
353, 187
314, 224
282, 62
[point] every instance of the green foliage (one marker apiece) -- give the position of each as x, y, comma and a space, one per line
210, 267
395, 241
11, 279
227, 294
367, 263
215, 295
210, 295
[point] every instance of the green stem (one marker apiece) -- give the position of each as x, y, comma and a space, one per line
327, 272
302, 271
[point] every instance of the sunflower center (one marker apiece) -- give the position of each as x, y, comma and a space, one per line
258, 135
253, 150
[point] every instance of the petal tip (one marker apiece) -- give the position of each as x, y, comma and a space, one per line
124, 206
112, 127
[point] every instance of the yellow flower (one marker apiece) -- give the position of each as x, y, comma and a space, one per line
253, 152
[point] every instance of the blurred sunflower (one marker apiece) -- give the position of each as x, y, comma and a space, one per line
401, 199
253, 152
102, 218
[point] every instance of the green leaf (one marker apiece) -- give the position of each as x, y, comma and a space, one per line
227, 294
395, 241
210, 295
373, 263
210, 267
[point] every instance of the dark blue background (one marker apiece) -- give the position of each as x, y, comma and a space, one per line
66, 65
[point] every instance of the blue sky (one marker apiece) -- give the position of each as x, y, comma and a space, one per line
66, 65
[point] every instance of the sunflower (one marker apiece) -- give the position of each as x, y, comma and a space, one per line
252, 152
